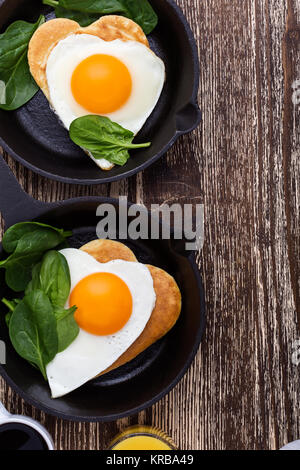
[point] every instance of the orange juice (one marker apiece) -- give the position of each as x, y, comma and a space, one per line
142, 438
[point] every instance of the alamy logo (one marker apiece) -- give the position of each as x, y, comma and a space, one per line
2, 353
296, 94
2, 92
165, 222
296, 353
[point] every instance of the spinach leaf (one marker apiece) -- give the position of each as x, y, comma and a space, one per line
18, 270
20, 86
47, 283
38, 240
11, 304
27, 242
14, 233
55, 281
35, 279
139, 11
67, 328
7, 318
52, 276
102, 7
142, 13
33, 330
84, 19
55, 278
103, 138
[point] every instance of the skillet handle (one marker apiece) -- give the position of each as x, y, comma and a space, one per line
188, 118
15, 204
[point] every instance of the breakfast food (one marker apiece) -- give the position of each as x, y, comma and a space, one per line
139, 305
105, 69
18, 84
108, 250
98, 73
168, 298
96, 69
107, 28
83, 312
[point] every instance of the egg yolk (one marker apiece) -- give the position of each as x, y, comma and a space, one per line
104, 303
101, 84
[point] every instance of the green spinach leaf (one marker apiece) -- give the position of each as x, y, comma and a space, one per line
7, 318
56, 283
67, 328
33, 330
84, 19
35, 279
55, 278
103, 138
142, 13
18, 269
102, 7
19, 86
47, 283
14, 233
52, 276
11, 304
139, 11
27, 242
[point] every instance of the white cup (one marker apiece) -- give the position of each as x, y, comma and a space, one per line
6, 417
292, 446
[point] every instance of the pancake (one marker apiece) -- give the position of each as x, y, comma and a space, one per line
108, 250
168, 299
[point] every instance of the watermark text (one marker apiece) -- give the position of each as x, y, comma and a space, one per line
2, 353
296, 94
296, 353
177, 222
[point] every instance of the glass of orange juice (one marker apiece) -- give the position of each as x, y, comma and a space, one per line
142, 438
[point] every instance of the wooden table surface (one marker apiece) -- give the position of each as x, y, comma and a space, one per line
243, 389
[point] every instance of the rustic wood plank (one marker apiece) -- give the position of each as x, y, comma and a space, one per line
243, 164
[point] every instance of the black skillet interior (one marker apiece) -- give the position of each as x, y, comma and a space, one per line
43, 144
153, 373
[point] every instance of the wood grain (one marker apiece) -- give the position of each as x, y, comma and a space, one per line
242, 391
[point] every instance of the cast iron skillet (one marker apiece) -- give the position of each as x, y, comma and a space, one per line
33, 135
152, 374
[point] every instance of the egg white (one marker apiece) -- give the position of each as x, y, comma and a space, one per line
146, 69
89, 355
